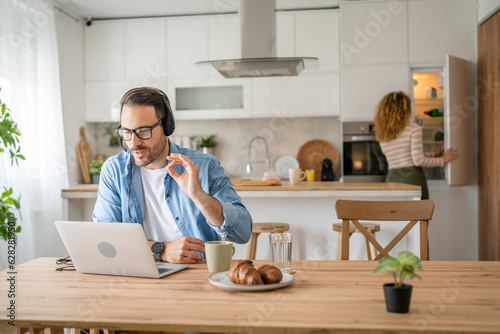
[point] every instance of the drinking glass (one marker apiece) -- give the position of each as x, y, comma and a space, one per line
281, 250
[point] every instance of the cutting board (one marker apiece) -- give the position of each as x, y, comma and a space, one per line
84, 153
312, 154
249, 183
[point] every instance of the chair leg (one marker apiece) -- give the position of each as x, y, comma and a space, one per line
339, 247
371, 251
252, 246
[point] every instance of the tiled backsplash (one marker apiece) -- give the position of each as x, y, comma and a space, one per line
283, 135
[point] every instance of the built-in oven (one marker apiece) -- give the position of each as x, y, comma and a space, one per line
363, 158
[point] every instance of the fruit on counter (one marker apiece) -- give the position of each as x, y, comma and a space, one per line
434, 113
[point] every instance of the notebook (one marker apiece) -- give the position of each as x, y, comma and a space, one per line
112, 249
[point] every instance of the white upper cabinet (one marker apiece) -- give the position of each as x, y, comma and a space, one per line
104, 51
102, 99
304, 95
285, 34
437, 28
317, 35
187, 43
374, 32
224, 38
363, 86
145, 56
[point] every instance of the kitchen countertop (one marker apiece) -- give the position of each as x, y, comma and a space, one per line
303, 189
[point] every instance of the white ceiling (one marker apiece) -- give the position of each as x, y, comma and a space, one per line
141, 8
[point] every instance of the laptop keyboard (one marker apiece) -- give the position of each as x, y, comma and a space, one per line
164, 270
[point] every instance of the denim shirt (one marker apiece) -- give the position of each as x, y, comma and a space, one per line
120, 197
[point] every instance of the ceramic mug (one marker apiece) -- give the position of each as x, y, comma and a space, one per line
296, 175
219, 255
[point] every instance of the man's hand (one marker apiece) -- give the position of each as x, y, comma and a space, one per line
189, 181
182, 250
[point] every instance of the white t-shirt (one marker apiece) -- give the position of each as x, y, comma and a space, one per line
159, 224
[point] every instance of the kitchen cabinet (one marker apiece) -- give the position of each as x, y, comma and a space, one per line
145, 51
187, 43
438, 28
363, 86
163, 52
105, 50
210, 98
102, 99
224, 37
285, 34
370, 29
324, 45
304, 95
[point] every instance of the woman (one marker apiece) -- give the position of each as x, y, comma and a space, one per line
401, 142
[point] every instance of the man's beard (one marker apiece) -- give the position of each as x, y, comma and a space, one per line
151, 153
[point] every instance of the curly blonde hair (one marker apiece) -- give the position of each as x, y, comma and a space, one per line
392, 115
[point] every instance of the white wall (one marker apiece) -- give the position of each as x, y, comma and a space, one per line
71, 68
283, 135
486, 8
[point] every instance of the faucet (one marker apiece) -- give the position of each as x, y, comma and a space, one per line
249, 161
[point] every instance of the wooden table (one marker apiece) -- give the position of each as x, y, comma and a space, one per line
327, 296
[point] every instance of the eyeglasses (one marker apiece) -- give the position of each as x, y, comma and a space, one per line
141, 133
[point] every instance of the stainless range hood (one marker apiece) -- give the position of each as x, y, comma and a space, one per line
258, 47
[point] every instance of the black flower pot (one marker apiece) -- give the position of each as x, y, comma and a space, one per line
397, 300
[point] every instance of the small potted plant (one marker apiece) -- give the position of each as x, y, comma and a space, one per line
113, 139
398, 294
207, 144
95, 170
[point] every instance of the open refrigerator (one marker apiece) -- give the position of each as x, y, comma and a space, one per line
444, 99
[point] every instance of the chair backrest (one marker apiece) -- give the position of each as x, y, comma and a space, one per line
414, 211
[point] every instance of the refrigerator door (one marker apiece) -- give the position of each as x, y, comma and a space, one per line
460, 105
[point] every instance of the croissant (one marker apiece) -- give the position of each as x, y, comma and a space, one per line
243, 272
270, 274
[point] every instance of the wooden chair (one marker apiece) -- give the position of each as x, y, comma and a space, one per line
372, 228
259, 228
414, 211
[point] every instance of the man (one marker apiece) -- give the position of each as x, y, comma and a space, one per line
180, 196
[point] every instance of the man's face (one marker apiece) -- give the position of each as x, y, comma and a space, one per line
150, 153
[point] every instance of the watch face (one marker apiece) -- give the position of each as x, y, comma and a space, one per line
157, 248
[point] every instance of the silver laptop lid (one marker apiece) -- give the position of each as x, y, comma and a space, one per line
110, 248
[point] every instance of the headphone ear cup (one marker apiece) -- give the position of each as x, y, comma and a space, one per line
169, 121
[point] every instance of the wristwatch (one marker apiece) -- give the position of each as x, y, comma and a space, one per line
157, 249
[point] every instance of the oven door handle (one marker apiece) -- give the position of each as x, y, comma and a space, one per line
356, 138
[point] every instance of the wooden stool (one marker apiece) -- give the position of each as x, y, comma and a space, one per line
370, 249
259, 228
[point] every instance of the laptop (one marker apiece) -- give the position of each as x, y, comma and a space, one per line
112, 249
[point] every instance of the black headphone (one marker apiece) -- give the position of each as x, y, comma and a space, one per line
168, 122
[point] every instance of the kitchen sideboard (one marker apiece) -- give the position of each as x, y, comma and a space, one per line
308, 207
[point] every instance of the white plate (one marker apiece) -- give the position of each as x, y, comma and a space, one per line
222, 281
283, 163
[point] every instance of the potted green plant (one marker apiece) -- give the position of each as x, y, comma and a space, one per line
402, 267
113, 139
9, 141
207, 144
95, 170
